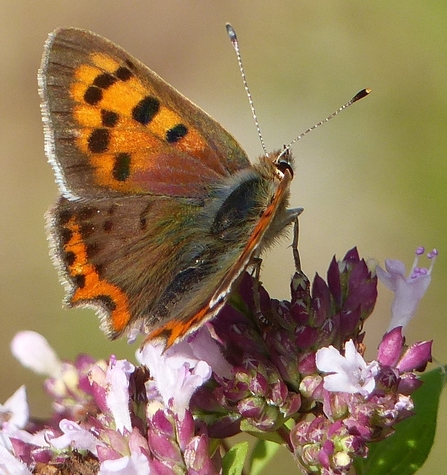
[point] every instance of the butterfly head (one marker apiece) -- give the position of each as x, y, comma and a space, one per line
284, 162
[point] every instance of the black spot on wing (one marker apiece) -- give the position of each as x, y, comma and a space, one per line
146, 110
121, 168
174, 134
107, 301
109, 118
123, 73
99, 141
104, 81
93, 95
79, 280
69, 258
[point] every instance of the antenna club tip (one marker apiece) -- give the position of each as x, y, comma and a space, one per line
361, 94
231, 33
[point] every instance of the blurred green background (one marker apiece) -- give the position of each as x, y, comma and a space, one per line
375, 177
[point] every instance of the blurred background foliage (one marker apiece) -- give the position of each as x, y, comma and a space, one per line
375, 178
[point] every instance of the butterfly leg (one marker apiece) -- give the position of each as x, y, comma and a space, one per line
257, 261
295, 251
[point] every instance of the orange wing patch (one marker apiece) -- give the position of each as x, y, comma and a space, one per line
124, 126
89, 286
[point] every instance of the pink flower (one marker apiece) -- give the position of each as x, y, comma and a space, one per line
407, 290
182, 368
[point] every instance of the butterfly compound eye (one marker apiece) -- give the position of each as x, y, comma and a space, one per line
282, 165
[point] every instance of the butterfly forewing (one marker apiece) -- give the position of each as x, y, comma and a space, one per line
121, 129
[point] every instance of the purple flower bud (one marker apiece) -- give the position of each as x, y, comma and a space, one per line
325, 453
307, 364
352, 256
299, 433
349, 322
184, 429
162, 423
336, 429
300, 290
362, 289
390, 347
251, 407
291, 405
164, 449
258, 385
317, 429
197, 457
416, 357
306, 337
408, 383
334, 282
278, 393
387, 379
321, 301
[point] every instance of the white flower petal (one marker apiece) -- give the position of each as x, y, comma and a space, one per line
408, 290
177, 372
329, 360
350, 373
136, 464
76, 437
16, 409
9, 465
117, 392
34, 352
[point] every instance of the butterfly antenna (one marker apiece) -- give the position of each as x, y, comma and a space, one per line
360, 95
235, 43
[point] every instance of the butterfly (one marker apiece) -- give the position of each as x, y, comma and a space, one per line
160, 210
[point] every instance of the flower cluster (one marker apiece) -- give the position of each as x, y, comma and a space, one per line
289, 371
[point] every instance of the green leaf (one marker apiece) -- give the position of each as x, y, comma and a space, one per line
262, 454
406, 450
234, 459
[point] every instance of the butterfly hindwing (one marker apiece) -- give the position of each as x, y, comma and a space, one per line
108, 253
139, 267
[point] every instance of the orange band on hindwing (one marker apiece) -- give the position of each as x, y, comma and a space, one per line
88, 284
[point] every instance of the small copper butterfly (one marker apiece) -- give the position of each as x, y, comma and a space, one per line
160, 210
